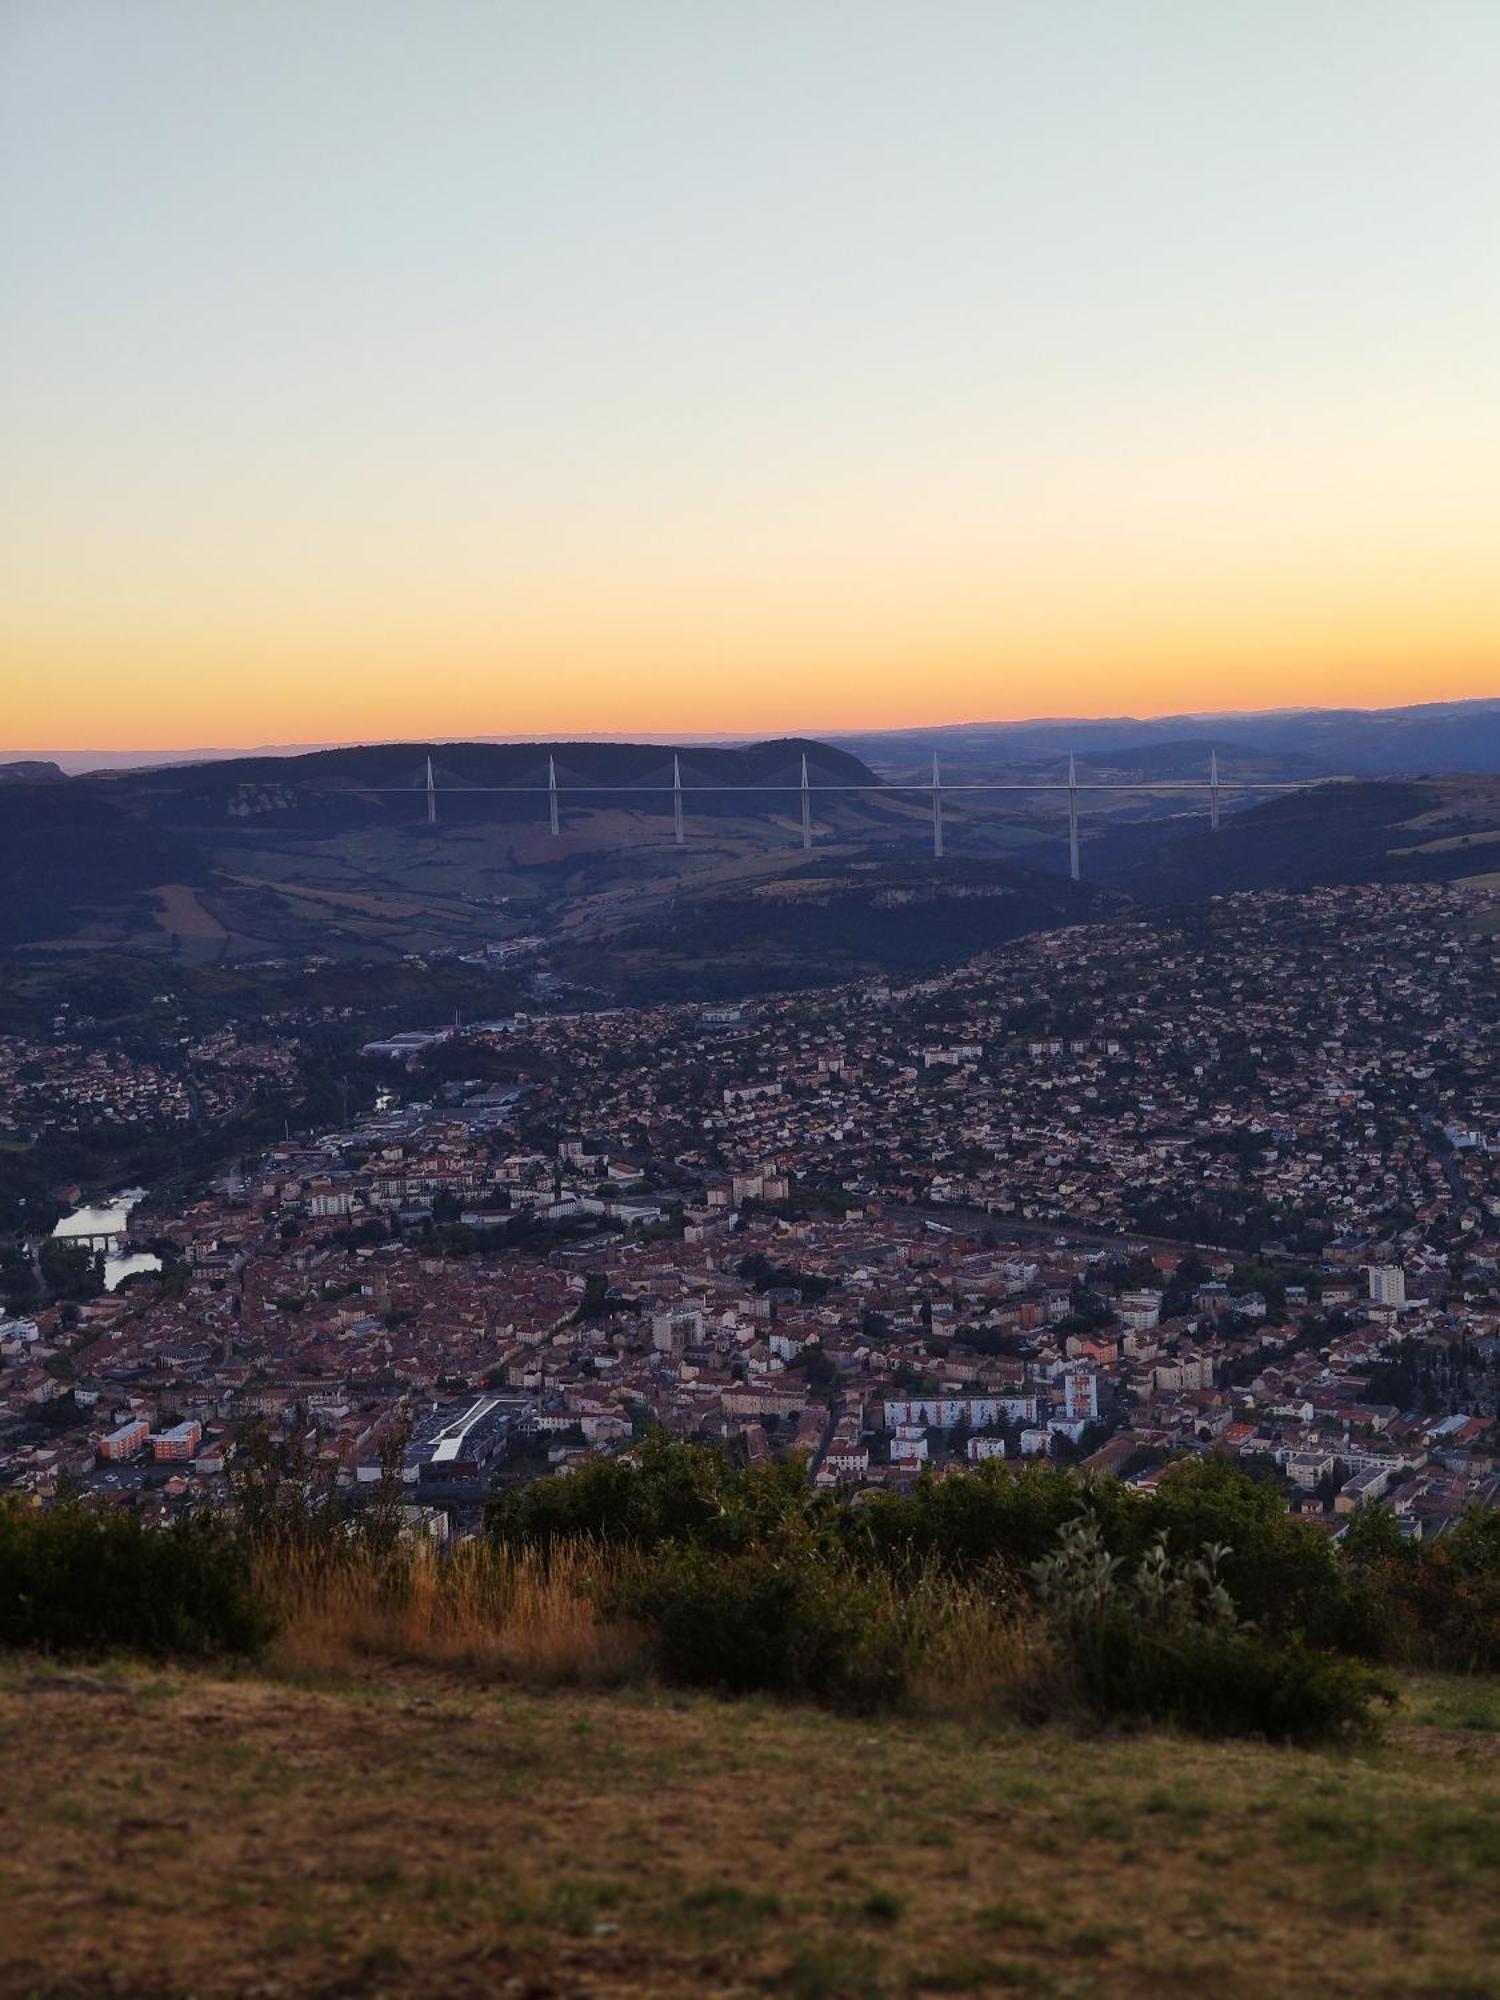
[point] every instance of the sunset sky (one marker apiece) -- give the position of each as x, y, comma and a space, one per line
460, 366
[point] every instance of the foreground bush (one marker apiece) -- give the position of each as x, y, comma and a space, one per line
1162, 1640
1029, 1589
1010, 1593
1282, 1573
771, 1621
1436, 1606
1218, 1682
76, 1580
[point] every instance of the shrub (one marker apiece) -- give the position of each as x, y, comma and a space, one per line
1080, 1579
76, 1580
1221, 1681
1432, 1605
1281, 1572
771, 1620
666, 1493
993, 1513
1378, 1571
1161, 1641
1451, 1595
1202, 1603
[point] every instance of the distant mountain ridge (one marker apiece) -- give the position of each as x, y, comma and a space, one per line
1386, 742
1185, 758
463, 762
1419, 736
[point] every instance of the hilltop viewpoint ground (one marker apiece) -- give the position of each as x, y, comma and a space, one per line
400, 1832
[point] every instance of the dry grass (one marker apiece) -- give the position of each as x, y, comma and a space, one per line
180, 911
480, 1611
986, 1658
495, 1614
404, 1833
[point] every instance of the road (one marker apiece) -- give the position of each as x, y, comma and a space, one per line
976, 1221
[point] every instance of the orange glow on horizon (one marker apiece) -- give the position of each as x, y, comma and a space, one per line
191, 725
1151, 586
251, 688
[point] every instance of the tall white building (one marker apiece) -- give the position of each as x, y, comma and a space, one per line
1387, 1285
1080, 1395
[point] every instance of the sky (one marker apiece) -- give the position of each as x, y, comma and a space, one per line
375, 370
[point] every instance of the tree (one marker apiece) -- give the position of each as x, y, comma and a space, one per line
18, 1280
69, 1271
821, 1372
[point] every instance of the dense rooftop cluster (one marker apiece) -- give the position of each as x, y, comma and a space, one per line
68, 1086
1224, 1183
1274, 1071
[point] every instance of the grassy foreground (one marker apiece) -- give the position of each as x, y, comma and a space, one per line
400, 1832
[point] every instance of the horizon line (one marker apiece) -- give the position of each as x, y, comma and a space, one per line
728, 738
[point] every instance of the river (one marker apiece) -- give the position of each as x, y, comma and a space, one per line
104, 1227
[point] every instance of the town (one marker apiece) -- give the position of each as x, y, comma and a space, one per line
1224, 1183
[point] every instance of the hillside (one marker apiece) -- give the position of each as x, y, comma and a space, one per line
844, 914
332, 851
1423, 736
29, 771
396, 1834
257, 858
1189, 759
1443, 829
